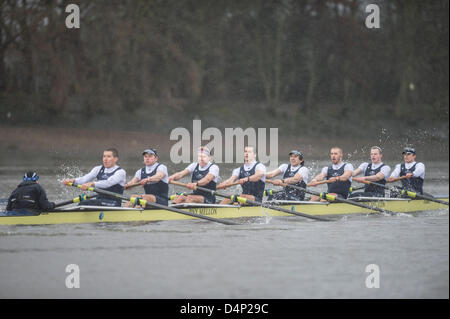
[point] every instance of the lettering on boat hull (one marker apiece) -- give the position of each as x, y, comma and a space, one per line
206, 211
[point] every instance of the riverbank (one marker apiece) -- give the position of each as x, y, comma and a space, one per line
49, 144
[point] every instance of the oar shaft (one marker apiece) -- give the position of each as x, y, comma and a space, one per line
352, 189
133, 185
244, 200
156, 205
75, 200
332, 198
409, 193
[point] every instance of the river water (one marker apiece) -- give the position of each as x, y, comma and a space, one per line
288, 257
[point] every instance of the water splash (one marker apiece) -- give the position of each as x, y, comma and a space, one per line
65, 172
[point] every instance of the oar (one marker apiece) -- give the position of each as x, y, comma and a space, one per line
133, 185
352, 189
77, 199
144, 203
268, 191
332, 198
244, 200
409, 193
398, 179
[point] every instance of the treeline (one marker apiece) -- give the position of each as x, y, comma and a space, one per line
177, 57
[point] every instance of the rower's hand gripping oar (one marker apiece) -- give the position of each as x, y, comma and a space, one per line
332, 198
128, 186
145, 203
408, 193
244, 200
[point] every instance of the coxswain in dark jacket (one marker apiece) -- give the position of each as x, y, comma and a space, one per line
29, 195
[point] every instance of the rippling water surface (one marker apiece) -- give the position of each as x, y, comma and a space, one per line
265, 258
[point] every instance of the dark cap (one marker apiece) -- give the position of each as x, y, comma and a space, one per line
409, 150
298, 153
150, 151
30, 176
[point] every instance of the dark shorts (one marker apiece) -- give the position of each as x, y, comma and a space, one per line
161, 200
208, 200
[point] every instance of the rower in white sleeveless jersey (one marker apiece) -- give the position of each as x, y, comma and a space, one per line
204, 173
414, 172
376, 171
153, 177
338, 173
251, 176
294, 173
108, 176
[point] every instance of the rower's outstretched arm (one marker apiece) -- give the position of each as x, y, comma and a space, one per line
133, 181
375, 178
346, 176
294, 179
205, 180
273, 173
227, 182
178, 175
157, 177
357, 171
319, 177
257, 176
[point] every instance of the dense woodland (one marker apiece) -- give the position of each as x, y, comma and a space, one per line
165, 61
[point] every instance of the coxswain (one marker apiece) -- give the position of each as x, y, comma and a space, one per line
204, 173
295, 173
376, 171
108, 177
251, 176
339, 175
414, 172
153, 177
29, 196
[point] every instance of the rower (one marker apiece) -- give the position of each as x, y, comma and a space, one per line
339, 174
376, 171
108, 176
29, 196
251, 176
204, 173
414, 172
153, 177
294, 173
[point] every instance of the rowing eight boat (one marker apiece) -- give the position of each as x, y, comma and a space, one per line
92, 214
